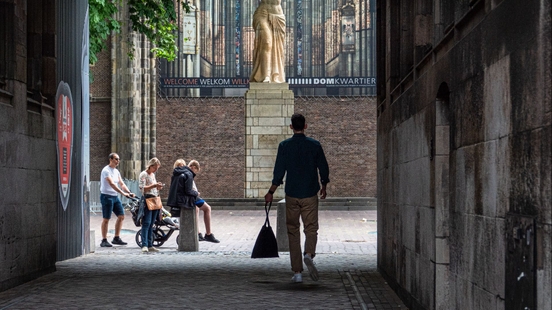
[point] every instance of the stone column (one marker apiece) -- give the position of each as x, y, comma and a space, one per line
133, 99
268, 110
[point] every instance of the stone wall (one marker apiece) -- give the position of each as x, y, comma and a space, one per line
133, 88
28, 188
464, 157
268, 110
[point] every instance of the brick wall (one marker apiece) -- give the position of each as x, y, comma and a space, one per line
211, 130
100, 137
100, 87
346, 127
100, 113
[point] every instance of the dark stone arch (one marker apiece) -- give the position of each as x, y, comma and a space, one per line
443, 92
442, 105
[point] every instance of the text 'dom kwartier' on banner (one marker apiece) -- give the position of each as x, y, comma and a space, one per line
294, 82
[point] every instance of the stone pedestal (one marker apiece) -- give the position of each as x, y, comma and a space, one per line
92, 241
268, 110
187, 237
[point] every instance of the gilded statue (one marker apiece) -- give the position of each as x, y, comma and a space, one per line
269, 23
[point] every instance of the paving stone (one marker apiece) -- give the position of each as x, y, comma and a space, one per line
218, 276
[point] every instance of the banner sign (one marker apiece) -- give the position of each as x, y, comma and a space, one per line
348, 34
294, 82
183, 82
189, 31
64, 141
309, 82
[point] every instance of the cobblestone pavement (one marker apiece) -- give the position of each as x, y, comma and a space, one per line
218, 276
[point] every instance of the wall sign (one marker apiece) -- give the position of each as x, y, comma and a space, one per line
294, 82
64, 143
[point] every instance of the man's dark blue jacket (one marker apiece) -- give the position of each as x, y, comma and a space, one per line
302, 158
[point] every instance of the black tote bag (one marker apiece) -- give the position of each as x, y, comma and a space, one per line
266, 245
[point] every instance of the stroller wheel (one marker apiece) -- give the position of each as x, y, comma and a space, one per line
138, 238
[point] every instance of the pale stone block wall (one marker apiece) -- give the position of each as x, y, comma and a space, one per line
268, 109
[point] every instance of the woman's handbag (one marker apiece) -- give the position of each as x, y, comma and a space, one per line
154, 203
266, 245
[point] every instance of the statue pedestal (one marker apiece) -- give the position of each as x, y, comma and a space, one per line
268, 110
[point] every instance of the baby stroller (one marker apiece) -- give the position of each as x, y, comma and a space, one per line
163, 227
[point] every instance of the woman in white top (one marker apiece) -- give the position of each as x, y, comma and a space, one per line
150, 188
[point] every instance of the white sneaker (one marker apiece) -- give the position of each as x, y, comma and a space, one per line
152, 249
145, 249
312, 268
297, 278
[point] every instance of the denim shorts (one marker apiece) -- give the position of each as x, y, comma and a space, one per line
111, 204
199, 203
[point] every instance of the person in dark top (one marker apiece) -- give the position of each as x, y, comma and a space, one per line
181, 192
302, 160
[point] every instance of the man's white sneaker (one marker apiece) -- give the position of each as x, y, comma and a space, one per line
145, 249
297, 278
152, 249
312, 268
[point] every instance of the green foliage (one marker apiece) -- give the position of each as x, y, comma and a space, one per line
156, 19
102, 23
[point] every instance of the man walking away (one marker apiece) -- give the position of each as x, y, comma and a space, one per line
303, 160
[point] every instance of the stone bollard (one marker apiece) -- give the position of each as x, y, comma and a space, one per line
92, 241
281, 227
187, 237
